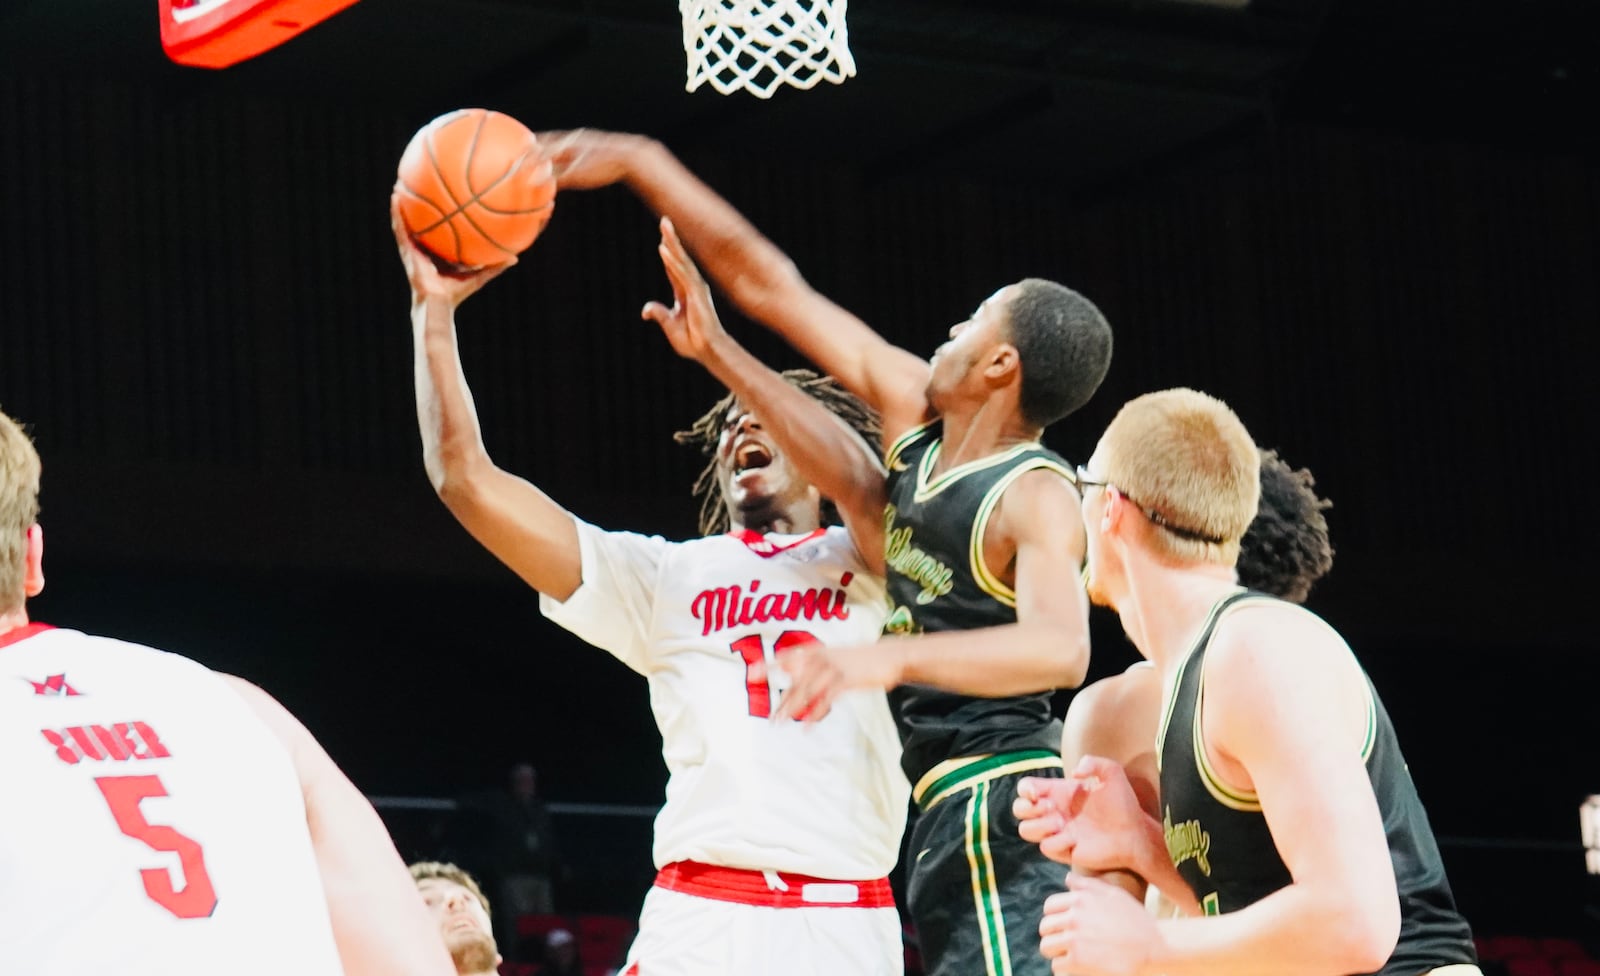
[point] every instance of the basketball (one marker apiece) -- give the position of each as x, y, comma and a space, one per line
474, 188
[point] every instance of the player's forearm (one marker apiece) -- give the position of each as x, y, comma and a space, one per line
765, 284
823, 448
379, 922
992, 662
452, 443
1292, 930
1152, 862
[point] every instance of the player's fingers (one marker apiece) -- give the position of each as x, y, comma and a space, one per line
1085, 885
656, 312
1060, 901
1035, 830
1059, 847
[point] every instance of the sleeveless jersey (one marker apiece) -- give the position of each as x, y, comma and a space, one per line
1220, 843
937, 580
151, 825
823, 799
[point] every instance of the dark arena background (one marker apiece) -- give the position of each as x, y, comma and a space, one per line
1371, 226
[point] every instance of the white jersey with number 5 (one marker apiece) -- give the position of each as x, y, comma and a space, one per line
825, 799
150, 824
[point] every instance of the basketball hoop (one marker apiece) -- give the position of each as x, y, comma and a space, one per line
757, 45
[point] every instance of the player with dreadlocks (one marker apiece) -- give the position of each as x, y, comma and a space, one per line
760, 814
704, 434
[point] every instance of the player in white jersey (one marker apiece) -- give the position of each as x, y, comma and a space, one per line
160, 819
775, 840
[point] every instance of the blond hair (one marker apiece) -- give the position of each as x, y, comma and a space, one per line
444, 871
1186, 460
19, 509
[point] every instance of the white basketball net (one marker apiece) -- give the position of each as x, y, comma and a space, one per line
758, 45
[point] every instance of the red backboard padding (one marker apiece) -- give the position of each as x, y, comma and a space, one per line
218, 33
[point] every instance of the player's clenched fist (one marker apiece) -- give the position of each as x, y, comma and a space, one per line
1097, 929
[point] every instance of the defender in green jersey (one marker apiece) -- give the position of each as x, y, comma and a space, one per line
983, 548
1287, 809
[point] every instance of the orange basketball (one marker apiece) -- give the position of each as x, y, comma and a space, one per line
475, 189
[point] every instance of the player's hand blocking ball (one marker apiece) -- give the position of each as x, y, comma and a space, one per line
474, 189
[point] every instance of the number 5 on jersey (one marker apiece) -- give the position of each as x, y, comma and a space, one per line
196, 899
753, 650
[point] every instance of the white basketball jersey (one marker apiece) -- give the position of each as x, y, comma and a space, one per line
150, 824
825, 799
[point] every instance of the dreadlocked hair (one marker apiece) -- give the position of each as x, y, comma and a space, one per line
706, 433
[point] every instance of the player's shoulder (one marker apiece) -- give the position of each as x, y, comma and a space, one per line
1264, 636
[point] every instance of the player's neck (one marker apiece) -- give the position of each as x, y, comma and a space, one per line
1164, 608
15, 620
973, 432
796, 521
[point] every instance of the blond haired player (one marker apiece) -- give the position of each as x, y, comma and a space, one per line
1289, 819
1283, 554
160, 819
462, 910
776, 837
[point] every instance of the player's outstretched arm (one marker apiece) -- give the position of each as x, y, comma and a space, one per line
516, 521
758, 277
1047, 648
824, 449
379, 922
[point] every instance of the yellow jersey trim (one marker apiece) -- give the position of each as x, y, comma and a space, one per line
928, 486
902, 442
987, 581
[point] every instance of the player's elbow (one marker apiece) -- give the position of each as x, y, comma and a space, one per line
1072, 645
458, 480
769, 283
1370, 930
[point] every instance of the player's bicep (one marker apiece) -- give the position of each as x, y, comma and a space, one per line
522, 526
1040, 515
1282, 707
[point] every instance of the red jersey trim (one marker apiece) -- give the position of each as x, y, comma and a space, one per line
23, 633
766, 548
752, 888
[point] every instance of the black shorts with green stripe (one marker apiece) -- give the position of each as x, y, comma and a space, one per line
975, 888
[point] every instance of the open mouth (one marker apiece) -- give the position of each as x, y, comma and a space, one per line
750, 456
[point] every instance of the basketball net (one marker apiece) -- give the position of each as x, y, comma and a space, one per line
757, 45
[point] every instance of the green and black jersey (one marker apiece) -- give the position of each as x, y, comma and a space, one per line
1220, 843
937, 580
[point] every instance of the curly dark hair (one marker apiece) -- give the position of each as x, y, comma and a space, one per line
1064, 343
705, 433
1286, 549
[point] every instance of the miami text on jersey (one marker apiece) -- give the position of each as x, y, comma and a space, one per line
730, 606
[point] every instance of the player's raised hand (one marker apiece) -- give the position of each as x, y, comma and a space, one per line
1097, 929
586, 159
691, 325
427, 281
818, 675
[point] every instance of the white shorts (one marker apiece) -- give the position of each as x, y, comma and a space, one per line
688, 935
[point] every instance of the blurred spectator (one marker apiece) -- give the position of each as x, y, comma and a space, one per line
561, 955
507, 832
462, 911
